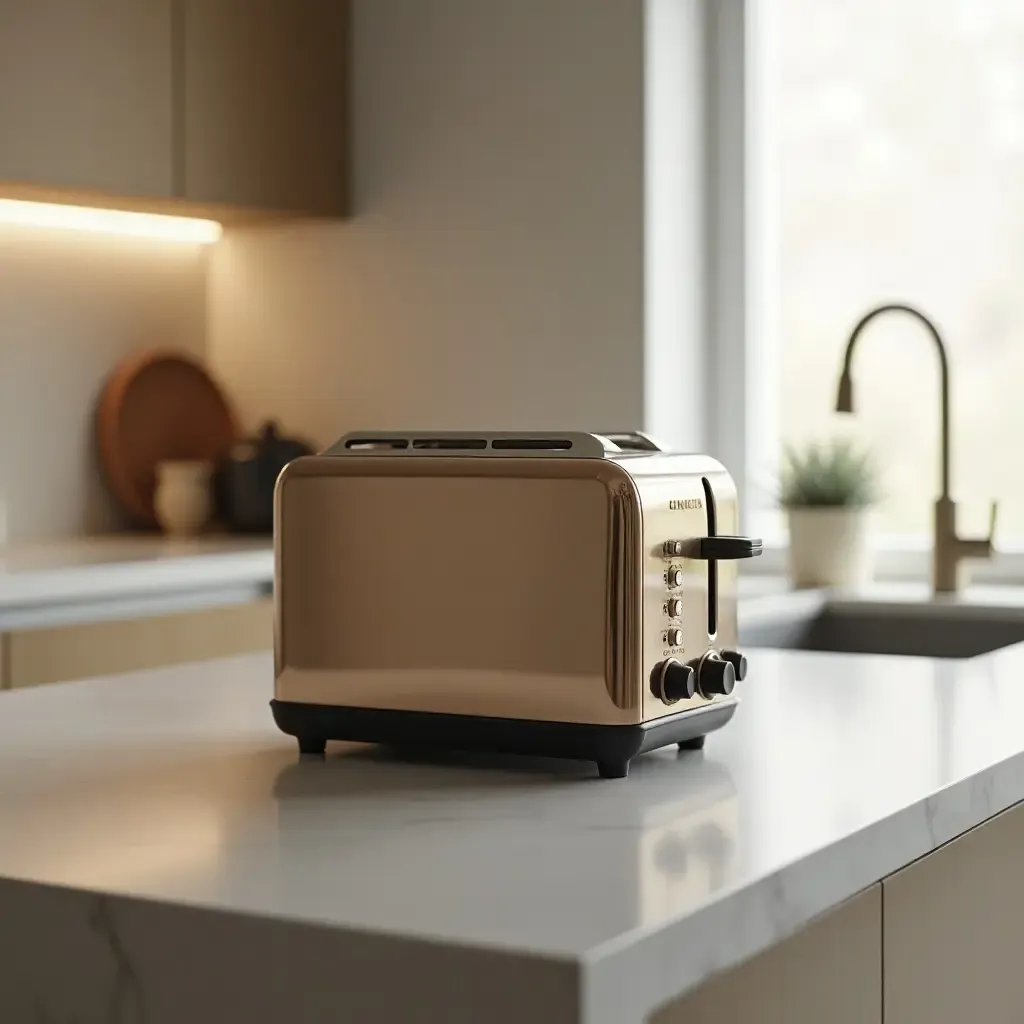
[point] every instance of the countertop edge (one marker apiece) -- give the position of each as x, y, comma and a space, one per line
636, 973
80, 582
82, 593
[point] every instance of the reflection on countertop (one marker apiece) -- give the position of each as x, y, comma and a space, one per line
557, 832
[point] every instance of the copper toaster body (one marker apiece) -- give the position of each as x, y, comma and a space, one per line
515, 591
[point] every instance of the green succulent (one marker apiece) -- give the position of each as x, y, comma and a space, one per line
832, 474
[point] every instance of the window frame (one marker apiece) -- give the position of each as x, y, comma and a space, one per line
740, 346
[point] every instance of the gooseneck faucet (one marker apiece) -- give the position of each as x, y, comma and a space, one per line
948, 550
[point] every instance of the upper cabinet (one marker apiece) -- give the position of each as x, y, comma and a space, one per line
226, 103
86, 92
264, 90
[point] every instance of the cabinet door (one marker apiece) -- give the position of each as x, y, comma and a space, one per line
954, 930
831, 971
105, 648
86, 95
265, 103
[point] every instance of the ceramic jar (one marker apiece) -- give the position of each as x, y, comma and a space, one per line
182, 500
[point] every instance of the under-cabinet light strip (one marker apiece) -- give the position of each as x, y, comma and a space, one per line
110, 222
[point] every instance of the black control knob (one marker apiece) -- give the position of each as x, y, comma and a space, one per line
671, 681
738, 662
715, 677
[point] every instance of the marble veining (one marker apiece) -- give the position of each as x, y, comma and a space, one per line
126, 1001
166, 804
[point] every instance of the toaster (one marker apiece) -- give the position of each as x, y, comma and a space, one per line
564, 594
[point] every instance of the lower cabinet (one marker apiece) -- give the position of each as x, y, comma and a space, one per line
938, 942
104, 648
954, 930
828, 973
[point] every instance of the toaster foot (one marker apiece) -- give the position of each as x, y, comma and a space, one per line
613, 769
694, 743
312, 744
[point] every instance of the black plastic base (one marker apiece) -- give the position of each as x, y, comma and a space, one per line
612, 747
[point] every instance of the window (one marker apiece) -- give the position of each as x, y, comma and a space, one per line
890, 166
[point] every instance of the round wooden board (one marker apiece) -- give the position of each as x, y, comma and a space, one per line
158, 405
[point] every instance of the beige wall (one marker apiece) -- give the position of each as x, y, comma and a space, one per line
71, 304
493, 274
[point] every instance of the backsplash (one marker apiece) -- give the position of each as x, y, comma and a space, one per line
492, 275
71, 306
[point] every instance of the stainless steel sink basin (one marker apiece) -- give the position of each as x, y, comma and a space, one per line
932, 630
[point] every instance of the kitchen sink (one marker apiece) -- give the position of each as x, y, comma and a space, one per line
928, 629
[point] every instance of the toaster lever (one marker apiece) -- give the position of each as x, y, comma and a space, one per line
721, 546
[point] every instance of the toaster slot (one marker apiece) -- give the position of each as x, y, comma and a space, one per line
375, 444
457, 444
633, 441
532, 444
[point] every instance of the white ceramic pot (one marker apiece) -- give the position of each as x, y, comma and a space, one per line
830, 547
182, 499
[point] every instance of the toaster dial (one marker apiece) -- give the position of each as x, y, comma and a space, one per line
674, 608
671, 681
738, 662
715, 676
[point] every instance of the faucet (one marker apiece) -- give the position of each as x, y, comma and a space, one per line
948, 550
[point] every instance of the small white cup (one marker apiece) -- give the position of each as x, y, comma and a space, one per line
182, 499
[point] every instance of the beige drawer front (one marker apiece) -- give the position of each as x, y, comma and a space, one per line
104, 648
828, 973
954, 930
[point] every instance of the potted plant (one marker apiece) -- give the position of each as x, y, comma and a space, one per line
827, 491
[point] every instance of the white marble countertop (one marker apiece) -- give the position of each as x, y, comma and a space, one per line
125, 576
484, 888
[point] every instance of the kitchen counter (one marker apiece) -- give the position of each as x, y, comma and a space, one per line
164, 852
94, 579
